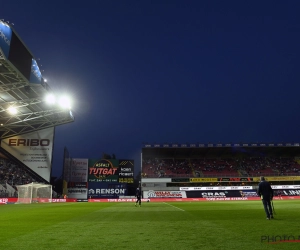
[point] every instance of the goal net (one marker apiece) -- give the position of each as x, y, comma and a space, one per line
34, 192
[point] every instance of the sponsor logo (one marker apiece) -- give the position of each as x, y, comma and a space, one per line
123, 200
107, 191
248, 194
212, 194
78, 174
28, 142
227, 199
98, 172
3, 201
76, 190
126, 169
292, 192
58, 200
164, 194
76, 162
102, 169
123, 163
125, 174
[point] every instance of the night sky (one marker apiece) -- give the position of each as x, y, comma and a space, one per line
166, 71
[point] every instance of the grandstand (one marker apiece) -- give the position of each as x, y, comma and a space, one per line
169, 167
27, 122
221, 167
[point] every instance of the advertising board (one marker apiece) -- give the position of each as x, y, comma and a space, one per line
33, 149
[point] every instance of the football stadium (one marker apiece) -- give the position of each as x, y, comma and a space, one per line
194, 196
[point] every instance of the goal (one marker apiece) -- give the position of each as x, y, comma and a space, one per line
34, 192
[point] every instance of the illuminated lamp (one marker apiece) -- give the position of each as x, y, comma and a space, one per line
50, 99
64, 102
12, 110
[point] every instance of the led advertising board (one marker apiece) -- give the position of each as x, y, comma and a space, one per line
104, 170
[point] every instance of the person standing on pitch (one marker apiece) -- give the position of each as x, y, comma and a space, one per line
266, 193
138, 197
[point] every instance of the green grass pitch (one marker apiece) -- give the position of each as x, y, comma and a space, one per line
154, 225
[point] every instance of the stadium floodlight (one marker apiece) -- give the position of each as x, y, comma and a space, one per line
50, 99
12, 110
65, 102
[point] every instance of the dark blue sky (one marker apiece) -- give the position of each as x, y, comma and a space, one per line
166, 71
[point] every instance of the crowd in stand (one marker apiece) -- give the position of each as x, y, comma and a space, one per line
208, 167
13, 175
166, 167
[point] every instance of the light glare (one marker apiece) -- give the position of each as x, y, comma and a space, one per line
65, 102
50, 99
12, 110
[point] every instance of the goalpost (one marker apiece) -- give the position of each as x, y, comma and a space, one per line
34, 192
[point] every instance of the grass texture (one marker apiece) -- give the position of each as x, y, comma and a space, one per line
154, 225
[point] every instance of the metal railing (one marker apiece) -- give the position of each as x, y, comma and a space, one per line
218, 175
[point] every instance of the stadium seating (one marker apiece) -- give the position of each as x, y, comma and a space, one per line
220, 167
12, 175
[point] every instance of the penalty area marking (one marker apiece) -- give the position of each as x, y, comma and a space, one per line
174, 206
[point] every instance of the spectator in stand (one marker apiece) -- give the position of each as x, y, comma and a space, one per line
12, 174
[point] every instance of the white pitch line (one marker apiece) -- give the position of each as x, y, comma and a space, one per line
174, 207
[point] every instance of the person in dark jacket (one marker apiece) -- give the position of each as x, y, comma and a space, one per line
138, 197
265, 192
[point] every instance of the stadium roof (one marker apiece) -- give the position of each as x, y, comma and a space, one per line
18, 92
220, 150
